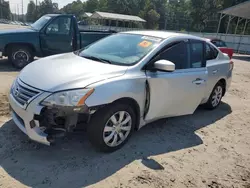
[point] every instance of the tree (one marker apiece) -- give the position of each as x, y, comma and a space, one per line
152, 19
5, 9
31, 12
195, 15
76, 7
150, 15
160, 7
92, 5
47, 7
103, 5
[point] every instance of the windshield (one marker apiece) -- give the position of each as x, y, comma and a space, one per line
40, 22
121, 49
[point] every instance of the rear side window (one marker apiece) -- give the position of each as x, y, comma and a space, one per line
211, 52
178, 54
196, 54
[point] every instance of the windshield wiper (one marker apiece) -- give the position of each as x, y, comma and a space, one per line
97, 59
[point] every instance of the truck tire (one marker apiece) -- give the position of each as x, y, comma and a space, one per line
20, 56
111, 126
215, 97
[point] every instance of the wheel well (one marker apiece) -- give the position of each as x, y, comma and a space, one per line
223, 82
135, 107
8, 47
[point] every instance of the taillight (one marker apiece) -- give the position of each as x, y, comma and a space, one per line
231, 65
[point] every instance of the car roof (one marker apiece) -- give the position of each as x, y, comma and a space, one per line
162, 34
54, 15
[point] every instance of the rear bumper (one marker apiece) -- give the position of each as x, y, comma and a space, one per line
24, 118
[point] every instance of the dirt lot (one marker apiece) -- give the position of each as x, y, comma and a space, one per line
207, 149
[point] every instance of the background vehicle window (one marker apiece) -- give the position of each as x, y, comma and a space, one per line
223, 44
196, 54
219, 43
60, 25
211, 52
40, 23
177, 54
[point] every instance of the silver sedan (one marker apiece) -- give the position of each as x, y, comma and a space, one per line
117, 85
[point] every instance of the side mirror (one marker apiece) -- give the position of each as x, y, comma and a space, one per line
164, 65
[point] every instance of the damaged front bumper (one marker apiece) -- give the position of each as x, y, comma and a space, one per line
24, 118
31, 119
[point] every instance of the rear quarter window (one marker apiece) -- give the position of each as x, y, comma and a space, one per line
211, 52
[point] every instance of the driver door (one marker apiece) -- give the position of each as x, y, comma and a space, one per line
179, 92
57, 37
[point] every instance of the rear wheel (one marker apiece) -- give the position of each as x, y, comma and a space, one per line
215, 97
20, 56
110, 127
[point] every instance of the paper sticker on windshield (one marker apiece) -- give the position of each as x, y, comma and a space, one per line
145, 44
151, 38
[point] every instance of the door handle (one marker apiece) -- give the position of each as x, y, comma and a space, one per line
215, 71
199, 81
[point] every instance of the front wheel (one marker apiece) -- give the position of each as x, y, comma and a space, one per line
215, 97
110, 127
20, 56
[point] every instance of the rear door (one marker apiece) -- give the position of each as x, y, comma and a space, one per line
214, 67
57, 37
179, 92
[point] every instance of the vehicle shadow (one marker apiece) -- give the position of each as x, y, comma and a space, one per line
73, 162
6, 66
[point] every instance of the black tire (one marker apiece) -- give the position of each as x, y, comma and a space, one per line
20, 56
209, 105
98, 121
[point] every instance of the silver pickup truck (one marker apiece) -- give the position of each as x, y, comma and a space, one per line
117, 85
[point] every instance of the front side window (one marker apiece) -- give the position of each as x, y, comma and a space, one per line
60, 25
177, 54
120, 49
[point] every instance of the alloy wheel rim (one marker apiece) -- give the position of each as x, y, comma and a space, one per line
217, 95
117, 128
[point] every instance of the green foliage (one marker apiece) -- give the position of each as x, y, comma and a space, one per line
103, 5
5, 10
47, 7
189, 15
76, 7
92, 5
31, 12
44, 7
150, 15
152, 18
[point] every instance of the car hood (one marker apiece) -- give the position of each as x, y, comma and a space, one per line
67, 71
16, 31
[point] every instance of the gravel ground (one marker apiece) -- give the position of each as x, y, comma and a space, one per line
206, 149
